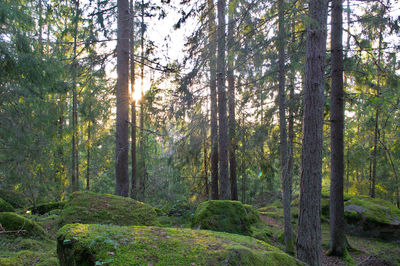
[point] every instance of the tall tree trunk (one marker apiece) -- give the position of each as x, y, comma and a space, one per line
309, 226
337, 244
122, 130
213, 99
231, 101
223, 123
376, 127
133, 102
283, 134
243, 164
206, 187
141, 122
75, 166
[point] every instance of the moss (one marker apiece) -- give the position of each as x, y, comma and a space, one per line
275, 210
17, 200
5, 206
225, 216
47, 207
88, 207
25, 257
80, 244
14, 222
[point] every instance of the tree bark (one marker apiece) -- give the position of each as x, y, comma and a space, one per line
122, 130
286, 193
133, 102
231, 101
223, 124
213, 100
337, 244
75, 166
88, 158
309, 226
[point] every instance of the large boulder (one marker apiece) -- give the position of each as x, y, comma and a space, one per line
225, 216
80, 244
372, 217
5, 206
19, 225
88, 207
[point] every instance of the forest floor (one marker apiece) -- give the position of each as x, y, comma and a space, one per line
363, 251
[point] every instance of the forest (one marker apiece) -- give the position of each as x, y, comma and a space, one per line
212, 132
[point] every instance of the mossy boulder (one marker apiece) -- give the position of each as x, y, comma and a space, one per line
20, 225
275, 210
88, 207
80, 244
47, 207
372, 217
5, 206
225, 216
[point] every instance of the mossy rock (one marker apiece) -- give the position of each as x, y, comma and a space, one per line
17, 200
225, 216
47, 207
5, 206
80, 244
88, 207
275, 210
29, 257
20, 225
372, 217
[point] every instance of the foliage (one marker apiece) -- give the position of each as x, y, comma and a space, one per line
114, 245
225, 216
89, 207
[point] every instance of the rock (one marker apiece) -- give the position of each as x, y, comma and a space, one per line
225, 216
47, 207
5, 206
371, 217
20, 225
80, 244
88, 207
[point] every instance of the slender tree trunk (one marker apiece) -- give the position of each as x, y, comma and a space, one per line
223, 123
243, 166
133, 102
88, 157
337, 244
213, 100
231, 101
75, 167
141, 122
309, 227
206, 187
122, 130
283, 134
376, 127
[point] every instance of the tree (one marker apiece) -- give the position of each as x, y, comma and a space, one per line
283, 147
337, 244
122, 133
212, 31
309, 226
133, 101
231, 100
223, 124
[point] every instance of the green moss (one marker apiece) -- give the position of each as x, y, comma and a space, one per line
80, 244
17, 200
47, 207
25, 257
14, 222
225, 216
87, 207
5, 206
376, 210
275, 211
